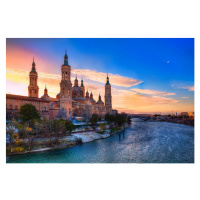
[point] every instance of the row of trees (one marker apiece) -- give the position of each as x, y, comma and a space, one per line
28, 132
118, 119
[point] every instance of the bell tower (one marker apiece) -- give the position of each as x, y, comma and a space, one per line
66, 90
108, 97
33, 88
83, 88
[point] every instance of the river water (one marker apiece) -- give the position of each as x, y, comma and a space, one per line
141, 142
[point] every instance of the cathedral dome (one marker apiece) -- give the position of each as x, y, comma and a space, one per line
76, 89
78, 98
100, 102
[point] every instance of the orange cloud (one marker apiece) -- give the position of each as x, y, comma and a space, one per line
132, 101
115, 79
151, 92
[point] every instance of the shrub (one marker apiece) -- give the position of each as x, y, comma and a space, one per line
17, 149
79, 141
103, 126
101, 132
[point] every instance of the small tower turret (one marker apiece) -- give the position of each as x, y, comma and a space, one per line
87, 95
76, 81
82, 88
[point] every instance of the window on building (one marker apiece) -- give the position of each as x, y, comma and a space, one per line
16, 107
10, 107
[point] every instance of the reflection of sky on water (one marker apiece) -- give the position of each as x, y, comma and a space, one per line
142, 142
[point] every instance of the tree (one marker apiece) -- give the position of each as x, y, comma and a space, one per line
59, 127
109, 118
10, 131
28, 112
120, 119
70, 126
129, 120
103, 126
94, 120
30, 135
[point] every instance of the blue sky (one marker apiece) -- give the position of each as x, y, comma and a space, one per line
165, 65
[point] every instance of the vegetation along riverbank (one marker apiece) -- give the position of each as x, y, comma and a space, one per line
40, 135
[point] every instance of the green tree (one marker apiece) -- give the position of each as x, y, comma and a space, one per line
93, 120
59, 128
28, 112
70, 126
120, 119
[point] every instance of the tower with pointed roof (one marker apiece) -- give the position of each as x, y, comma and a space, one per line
87, 95
82, 88
108, 97
76, 82
33, 89
66, 90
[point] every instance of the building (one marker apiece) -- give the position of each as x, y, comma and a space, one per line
108, 97
184, 114
71, 101
14, 102
191, 114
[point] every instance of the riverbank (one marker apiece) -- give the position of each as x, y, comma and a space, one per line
68, 141
185, 122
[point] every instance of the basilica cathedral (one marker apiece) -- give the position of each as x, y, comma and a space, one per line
71, 101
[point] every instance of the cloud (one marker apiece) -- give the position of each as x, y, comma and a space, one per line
115, 79
151, 92
189, 88
185, 97
128, 100
183, 86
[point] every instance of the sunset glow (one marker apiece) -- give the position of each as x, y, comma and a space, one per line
146, 75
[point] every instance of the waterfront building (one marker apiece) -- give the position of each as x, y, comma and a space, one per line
191, 114
184, 114
71, 101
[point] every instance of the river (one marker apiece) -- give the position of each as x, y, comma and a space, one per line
141, 142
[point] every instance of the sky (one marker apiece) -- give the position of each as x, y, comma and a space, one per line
147, 75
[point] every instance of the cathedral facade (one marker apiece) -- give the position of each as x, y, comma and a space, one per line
72, 100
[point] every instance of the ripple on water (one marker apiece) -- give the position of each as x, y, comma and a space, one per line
142, 142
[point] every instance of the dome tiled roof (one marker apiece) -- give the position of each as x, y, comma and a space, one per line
76, 89
98, 102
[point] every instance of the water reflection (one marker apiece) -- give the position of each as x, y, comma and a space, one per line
142, 142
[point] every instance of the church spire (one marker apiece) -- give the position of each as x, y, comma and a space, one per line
33, 66
45, 91
82, 83
107, 83
66, 58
